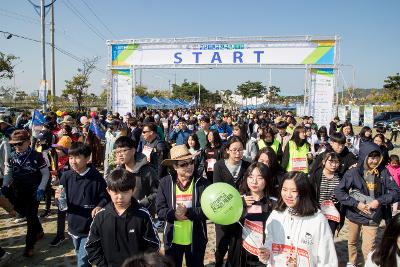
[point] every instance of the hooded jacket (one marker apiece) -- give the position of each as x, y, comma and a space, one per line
354, 179
114, 238
166, 203
309, 236
159, 153
84, 193
146, 183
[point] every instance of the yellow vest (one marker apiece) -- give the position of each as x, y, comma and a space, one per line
183, 229
297, 158
275, 145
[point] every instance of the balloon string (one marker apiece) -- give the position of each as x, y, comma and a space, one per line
249, 234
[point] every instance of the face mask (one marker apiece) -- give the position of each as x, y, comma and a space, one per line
191, 127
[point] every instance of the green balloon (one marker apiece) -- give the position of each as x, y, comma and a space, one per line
222, 203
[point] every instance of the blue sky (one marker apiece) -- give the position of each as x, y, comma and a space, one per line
369, 31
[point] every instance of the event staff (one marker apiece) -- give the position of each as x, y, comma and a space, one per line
295, 157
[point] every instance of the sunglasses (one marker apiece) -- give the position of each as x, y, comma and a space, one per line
18, 144
185, 164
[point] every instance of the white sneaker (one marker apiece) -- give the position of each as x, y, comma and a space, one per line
20, 220
349, 264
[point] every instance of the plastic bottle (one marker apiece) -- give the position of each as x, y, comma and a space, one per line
62, 201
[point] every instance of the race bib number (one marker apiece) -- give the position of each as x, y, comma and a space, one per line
254, 209
283, 255
210, 164
329, 210
184, 200
147, 152
252, 236
299, 164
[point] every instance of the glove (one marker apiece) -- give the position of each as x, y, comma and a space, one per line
39, 194
4, 191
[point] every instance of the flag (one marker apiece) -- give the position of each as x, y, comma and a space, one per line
37, 118
95, 128
193, 102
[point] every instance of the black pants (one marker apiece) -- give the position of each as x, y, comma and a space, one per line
61, 223
27, 205
176, 253
49, 192
228, 239
333, 225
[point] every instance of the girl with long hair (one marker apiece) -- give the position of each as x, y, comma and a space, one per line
212, 153
257, 190
296, 155
297, 233
387, 252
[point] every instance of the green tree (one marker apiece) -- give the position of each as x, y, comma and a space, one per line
141, 90
20, 95
6, 66
77, 87
392, 89
250, 89
160, 93
273, 94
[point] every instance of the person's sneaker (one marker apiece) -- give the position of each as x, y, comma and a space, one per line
28, 252
44, 214
5, 258
19, 219
39, 236
349, 264
57, 241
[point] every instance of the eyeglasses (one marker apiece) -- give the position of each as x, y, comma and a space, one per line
122, 151
19, 144
255, 179
185, 164
236, 151
333, 162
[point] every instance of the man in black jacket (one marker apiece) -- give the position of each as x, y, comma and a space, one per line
123, 228
178, 204
144, 173
337, 144
86, 195
155, 149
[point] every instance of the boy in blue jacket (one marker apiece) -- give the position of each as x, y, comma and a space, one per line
86, 194
366, 192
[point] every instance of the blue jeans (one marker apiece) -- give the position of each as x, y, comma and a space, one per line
81, 255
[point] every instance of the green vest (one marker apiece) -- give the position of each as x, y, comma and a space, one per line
275, 145
297, 158
183, 229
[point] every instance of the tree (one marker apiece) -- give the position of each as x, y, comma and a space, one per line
6, 66
76, 88
141, 90
392, 89
250, 89
273, 94
20, 95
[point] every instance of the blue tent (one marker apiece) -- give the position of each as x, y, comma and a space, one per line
163, 102
176, 102
139, 102
151, 102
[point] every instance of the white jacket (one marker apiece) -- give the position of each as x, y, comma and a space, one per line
309, 238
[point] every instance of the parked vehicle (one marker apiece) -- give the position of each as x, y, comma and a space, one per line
384, 116
387, 124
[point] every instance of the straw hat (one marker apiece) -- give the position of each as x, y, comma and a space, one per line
68, 120
178, 153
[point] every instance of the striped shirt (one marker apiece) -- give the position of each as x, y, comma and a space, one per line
327, 188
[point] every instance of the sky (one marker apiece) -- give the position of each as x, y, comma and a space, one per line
369, 32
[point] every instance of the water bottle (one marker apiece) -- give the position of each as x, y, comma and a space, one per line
62, 201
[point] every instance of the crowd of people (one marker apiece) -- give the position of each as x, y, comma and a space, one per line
119, 179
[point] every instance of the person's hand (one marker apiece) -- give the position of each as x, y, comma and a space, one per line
95, 211
374, 204
180, 212
264, 255
39, 194
363, 208
353, 166
57, 192
249, 200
